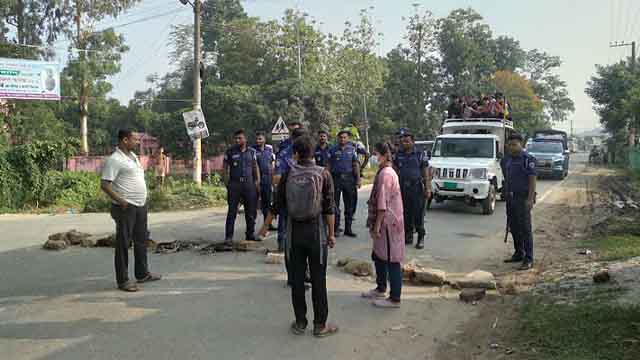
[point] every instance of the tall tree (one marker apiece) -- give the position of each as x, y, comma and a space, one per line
31, 23
540, 67
99, 54
614, 93
526, 106
363, 72
421, 37
465, 48
508, 55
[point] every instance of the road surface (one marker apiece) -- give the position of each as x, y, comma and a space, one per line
62, 305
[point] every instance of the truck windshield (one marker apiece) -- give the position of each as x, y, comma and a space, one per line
545, 147
467, 148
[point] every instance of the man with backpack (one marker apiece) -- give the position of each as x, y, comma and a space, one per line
306, 191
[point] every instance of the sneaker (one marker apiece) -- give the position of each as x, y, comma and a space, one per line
374, 294
386, 303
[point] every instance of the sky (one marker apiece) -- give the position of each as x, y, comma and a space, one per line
579, 31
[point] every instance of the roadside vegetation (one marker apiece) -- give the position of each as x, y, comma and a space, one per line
575, 319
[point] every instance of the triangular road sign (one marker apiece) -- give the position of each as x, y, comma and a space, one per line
280, 128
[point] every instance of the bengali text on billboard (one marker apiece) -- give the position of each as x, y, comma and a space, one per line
29, 79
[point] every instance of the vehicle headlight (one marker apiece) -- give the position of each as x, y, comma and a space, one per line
478, 174
558, 161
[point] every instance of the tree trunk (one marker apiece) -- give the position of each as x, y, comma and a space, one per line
20, 28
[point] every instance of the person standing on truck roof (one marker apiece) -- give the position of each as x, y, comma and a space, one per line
344, 166
521, 194
412, 167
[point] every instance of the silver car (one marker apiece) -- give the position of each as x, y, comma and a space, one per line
551, 158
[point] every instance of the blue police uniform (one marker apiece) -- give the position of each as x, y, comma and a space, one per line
284, 157
322, 155
360, 150
341, 161
517, 171
410, 165
241, 187
265, 157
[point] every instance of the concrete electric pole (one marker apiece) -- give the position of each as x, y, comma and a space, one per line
197, 97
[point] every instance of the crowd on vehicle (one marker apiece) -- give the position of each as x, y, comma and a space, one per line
483, 106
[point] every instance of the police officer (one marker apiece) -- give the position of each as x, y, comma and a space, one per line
412, 166
242, 177
360, 150
266, 159
345, 169
520, 176
321, 153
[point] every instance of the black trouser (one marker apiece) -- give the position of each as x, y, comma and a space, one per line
265, 197
519, 217
413, 203
306, 248
345, 186
247, 192
131, 224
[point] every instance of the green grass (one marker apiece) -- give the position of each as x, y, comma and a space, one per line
614, 247
588, 331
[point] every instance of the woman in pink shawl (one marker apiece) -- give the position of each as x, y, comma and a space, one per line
386, 227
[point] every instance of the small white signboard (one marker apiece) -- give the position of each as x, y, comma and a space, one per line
280, 130
196, 125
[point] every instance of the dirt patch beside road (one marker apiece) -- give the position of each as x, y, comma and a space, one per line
556, 311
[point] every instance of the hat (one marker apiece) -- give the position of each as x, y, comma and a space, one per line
344, 131
404, 132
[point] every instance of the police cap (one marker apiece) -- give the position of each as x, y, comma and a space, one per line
404, 132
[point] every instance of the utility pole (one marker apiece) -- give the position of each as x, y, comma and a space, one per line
366, 122
84, 86
197, 101
624, 44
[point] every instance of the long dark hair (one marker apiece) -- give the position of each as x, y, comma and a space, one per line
383, 149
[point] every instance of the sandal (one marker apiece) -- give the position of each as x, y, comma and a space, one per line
325, 331
150, 277
128, 286
297, 329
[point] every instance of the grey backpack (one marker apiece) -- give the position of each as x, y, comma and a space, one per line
304, 192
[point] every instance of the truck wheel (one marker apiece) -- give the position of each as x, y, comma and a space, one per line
489, 204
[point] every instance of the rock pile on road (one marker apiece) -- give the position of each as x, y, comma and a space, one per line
61, 241
355, 267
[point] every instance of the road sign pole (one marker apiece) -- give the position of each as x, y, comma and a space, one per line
197, 143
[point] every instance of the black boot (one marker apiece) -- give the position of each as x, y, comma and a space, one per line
408, 237
348, 232
420, 244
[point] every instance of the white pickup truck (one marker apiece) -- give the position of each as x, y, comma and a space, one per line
466, 161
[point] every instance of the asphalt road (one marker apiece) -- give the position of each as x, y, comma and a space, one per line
62, 305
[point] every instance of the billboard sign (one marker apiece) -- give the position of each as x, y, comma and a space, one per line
29, 79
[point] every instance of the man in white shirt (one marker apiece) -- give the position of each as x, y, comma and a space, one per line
123, 181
